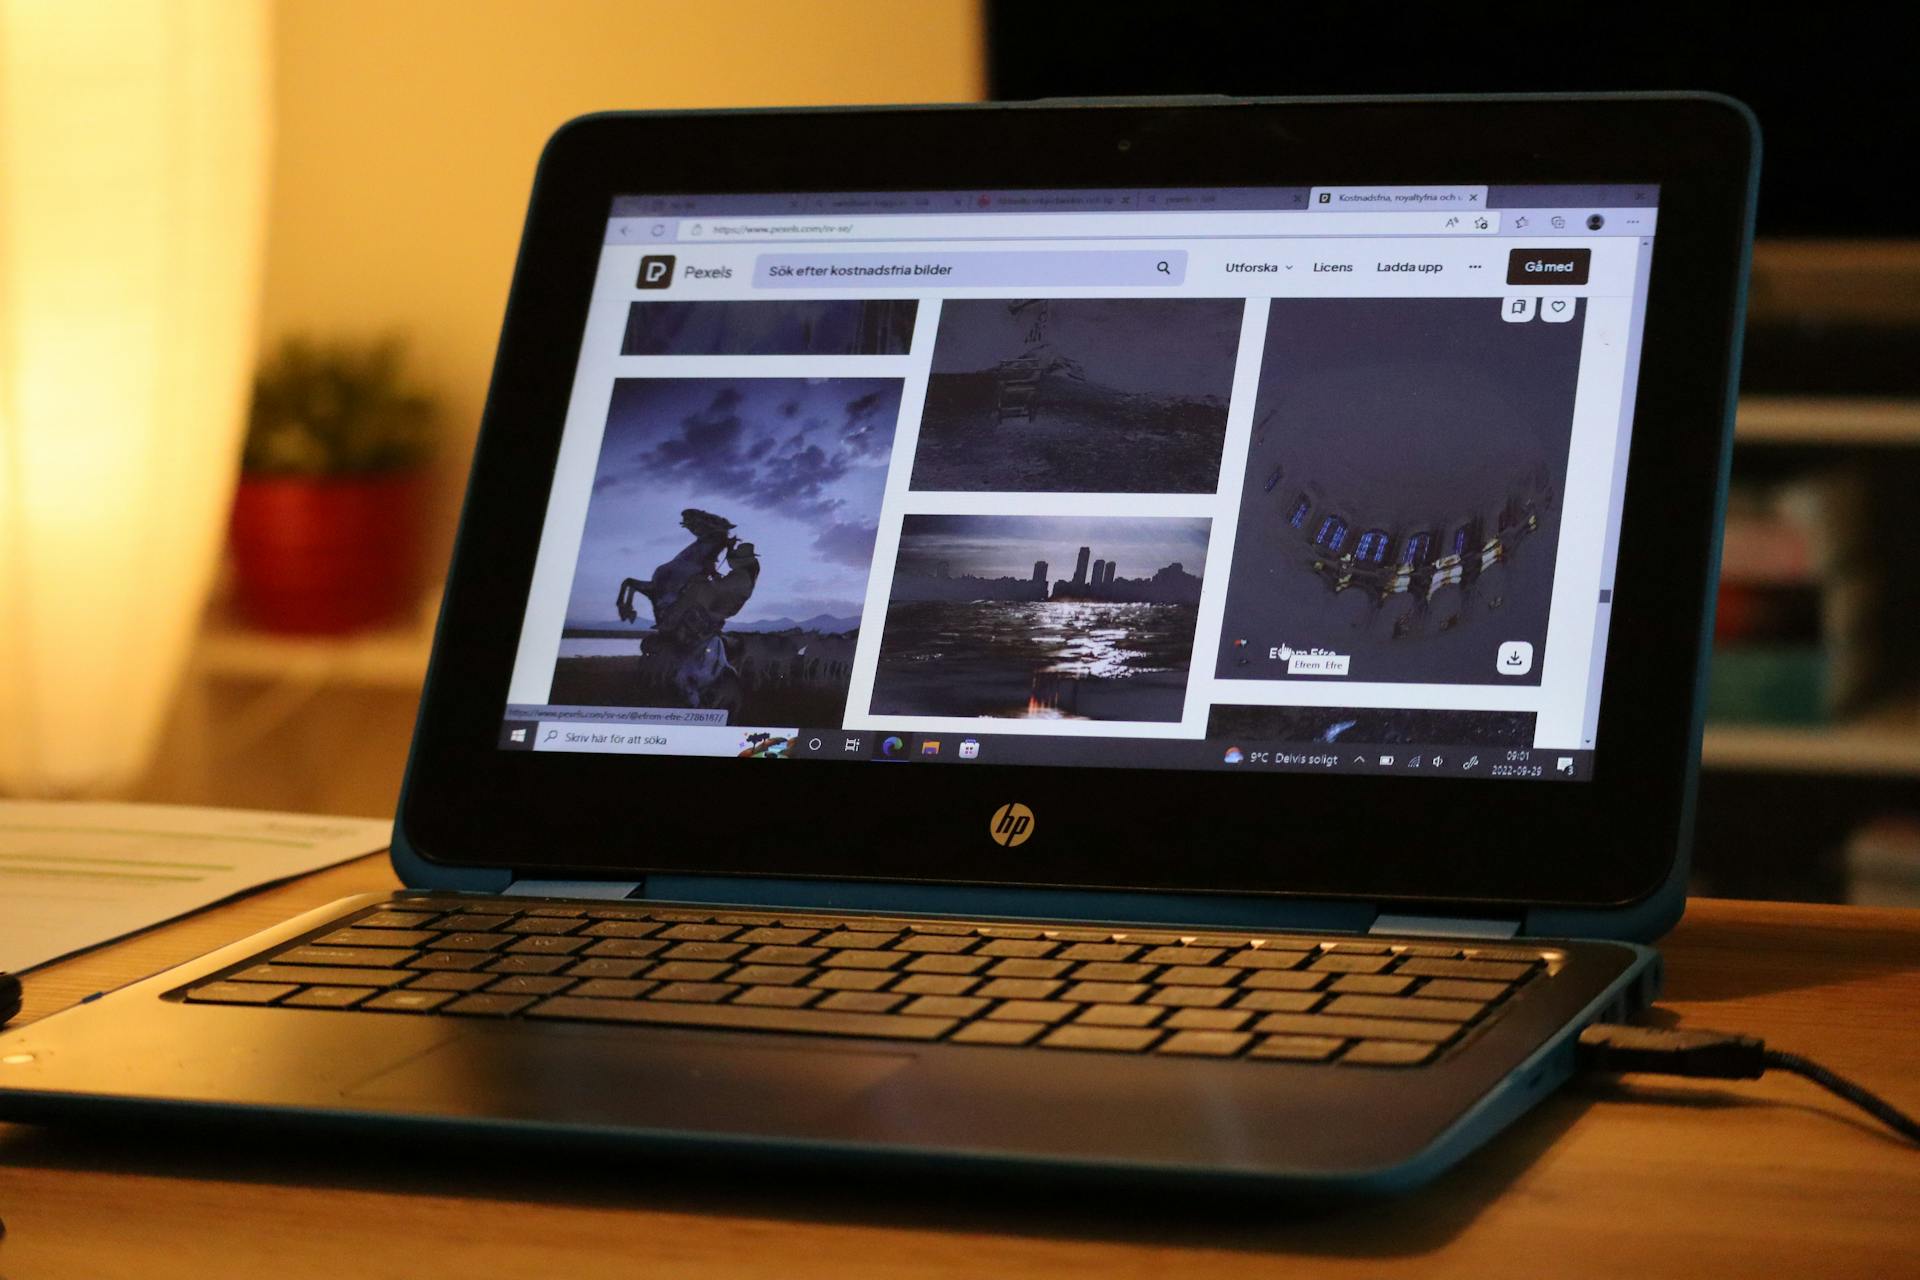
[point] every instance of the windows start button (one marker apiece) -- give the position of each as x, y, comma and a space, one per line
1548, 266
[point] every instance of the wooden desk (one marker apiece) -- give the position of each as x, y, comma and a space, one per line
1642, 1179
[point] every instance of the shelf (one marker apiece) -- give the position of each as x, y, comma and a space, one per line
1883, 742
1827, 420
393, 657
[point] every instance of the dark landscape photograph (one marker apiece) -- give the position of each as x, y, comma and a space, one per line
1041, 617
1078, 395
1401, 503
816, 327
727, 545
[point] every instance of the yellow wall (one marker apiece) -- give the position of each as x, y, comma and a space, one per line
408, 132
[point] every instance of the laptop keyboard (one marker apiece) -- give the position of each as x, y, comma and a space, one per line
1275, 997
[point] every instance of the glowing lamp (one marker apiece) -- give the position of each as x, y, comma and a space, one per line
133, 150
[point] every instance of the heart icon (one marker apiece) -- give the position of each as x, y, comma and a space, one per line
1559, 305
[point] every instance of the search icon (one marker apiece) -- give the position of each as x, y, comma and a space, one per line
551, 735
1162, 268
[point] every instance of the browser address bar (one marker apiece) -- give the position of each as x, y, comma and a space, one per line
1053, 226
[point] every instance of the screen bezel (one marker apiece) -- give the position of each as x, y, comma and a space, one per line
1604, 842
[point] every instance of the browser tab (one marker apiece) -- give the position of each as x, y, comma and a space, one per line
1347, 199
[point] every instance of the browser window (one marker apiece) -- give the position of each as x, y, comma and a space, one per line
1321, 479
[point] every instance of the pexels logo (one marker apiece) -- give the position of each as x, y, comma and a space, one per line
1011, 824
656, 271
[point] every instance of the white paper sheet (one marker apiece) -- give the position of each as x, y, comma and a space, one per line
75, 875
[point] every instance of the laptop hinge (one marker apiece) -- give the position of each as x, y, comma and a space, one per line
1445, 926
573, 888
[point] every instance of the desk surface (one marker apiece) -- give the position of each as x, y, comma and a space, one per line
1644, 1178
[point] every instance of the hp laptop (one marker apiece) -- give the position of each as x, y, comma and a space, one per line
1148, 639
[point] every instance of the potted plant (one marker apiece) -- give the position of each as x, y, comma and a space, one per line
327, 520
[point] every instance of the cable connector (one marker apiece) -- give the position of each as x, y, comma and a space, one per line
1721, 1055
1712, 1055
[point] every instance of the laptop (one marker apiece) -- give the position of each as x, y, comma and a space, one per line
1152, 639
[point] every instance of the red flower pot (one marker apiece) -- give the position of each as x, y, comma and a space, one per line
325, 556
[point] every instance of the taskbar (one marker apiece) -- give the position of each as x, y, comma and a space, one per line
573, 730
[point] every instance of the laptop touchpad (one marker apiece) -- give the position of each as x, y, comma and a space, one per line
589, 1076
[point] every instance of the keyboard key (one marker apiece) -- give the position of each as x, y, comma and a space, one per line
1079, 935
850, 979
1517, 955
947, 964
1406, 1007
1184, 975
540, 924
1338, 963
1018, 949
945, 1006
528, 984
1266, 958
1278, 1001
1120, 1015
621, 929
687, 971
626, 948
861, 1001
448, 961
1191, 997
1103, 972
1224, 941
702, 951
1028, 968
1297, 1048
558, 913
1012, 1033
934, 984
693, 992
782, 955
941, 929
612, 912
936, 944
329, 997
1315, 1024
450, 981
1359, 948
1020, 932
399, 939
356, 957
1019, 988
393, 920
849, 941
1182, 955
1112, 1039
547, 945
1371, 984
1472, 969
408, 1001
774, 936
862, 960
471, 922
240, 992
677, 916
488, 1005
1149, 939
1113, 951
746, 1018
769, 975
526, 964
1429, 951
1461, 989
700, 932
470, 941
1105, 992
613, 988
780, 997
323, 975
1282, 980
599, 967
1208, 1019
1209, 1044
1388, 1053
1031, 1011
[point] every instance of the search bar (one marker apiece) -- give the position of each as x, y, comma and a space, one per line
924, 228
989, 270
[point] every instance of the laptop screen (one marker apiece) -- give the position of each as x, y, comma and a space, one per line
1318, 479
